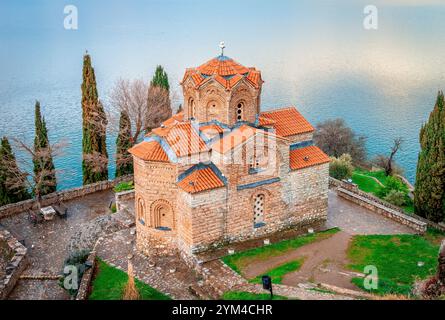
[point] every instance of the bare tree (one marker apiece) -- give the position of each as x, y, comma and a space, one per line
387, 162
35, 181
159, 107
130, 97
335, 138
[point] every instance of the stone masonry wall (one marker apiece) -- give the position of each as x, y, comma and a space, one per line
15, 266
63, 195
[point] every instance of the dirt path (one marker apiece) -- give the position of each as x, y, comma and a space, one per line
324, 262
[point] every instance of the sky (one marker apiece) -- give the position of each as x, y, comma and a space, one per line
314, 54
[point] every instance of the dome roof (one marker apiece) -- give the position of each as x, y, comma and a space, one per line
225, 70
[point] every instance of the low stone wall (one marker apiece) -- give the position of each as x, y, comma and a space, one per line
87, 277
123, 196
383, 210
15, 266
337, 184
63, 195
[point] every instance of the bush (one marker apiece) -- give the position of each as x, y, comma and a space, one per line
397, 198
124, 186
77, 259
392, 183
341, 168
113, 208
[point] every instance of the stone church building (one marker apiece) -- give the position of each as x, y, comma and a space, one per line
224, 171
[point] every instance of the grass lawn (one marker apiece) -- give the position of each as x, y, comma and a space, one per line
396, 258
363, 179
242, 295
277, 274
240, 260
109, 284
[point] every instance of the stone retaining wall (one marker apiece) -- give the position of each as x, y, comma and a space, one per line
123, 196
367, 198
15, 266
87, 277
63, 195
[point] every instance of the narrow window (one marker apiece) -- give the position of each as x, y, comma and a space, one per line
258, 211
239, 111
192, 108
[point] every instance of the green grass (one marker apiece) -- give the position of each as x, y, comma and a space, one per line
363, 179
239, 260
124, 186
395, 257
242, 295
277, 274
110, 282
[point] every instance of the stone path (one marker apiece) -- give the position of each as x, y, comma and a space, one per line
48, 243
325, 260
354, 219
170, 275
299, 293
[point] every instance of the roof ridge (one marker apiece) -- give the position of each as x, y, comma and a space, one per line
280, 109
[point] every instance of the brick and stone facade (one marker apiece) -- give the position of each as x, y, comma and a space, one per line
222, 171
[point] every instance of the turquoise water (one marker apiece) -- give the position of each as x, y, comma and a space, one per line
313, 54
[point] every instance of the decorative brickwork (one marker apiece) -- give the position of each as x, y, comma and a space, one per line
235, 179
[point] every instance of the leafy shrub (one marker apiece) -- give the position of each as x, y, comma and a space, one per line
397, 198
341, 168
392, 183
124, 186
77, 259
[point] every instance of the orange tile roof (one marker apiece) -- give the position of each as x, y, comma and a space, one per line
150, 151
288, 121
184, 139
224, 70
262, 121
211, 127
307, 157
200, 180
234, 139
179, 117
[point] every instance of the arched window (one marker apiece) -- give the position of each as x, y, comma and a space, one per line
258, 210
240, 111
162, 215
141, 211
192, 108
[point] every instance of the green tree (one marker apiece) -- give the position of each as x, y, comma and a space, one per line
43, 162
12, 181
94, 121
341, 168
429, 195
160, 79
158, 100
124, 162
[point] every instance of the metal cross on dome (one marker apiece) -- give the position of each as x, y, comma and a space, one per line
222, 45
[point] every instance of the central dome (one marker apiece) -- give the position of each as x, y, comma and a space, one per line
223, 66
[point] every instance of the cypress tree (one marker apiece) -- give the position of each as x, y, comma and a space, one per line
160, 79
12, 181
429, 195
95, 156
44, 169
124, 163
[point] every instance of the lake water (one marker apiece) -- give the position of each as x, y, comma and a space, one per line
312, 54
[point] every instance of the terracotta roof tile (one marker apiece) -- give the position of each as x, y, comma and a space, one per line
150, 151
200, 180
211, 127
185, 140
288, 121
262, 121
225, 70
307, 157
179, 117
233, 139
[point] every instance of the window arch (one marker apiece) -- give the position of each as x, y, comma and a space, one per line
141, 210
192, 108
258, 210
162, 216
240, 111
